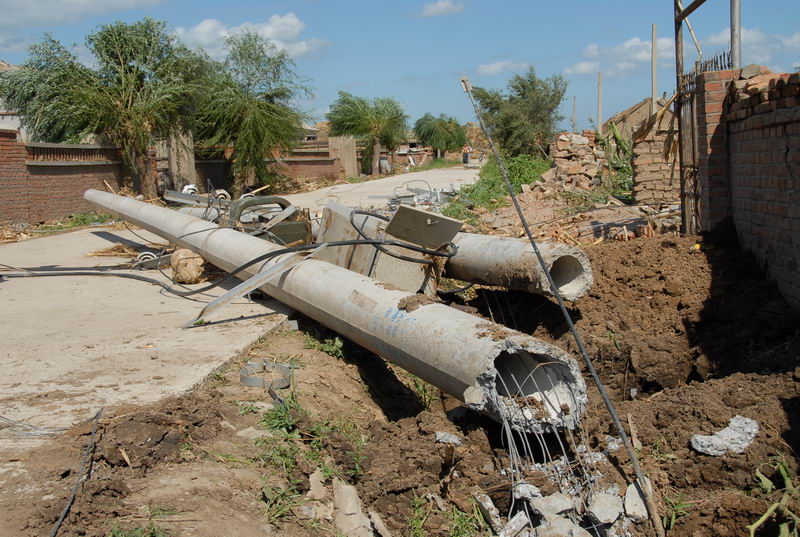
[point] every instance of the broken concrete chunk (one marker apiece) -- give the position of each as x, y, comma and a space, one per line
605, 508
635, 507
556, 526
377, 523
515, 526
577, 139
187, 266
489, 511
350, 519
447, 438
736, 437
316, 488
526, 491
251, 433
555, 504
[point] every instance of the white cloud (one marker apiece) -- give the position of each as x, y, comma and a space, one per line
582, 68
27, 13
622, 58
283, 30
758, 47
441, 7
489, 69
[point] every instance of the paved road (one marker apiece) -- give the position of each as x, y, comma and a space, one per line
73, 344
376, 193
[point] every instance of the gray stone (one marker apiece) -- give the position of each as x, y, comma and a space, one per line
635, 508
447, 438
377, 523
263, 406
555, 504
605, 508
736, 437
316, 489
515, 526
749, 71
489, 511
577, 139
549, 175
350, 518
556, 526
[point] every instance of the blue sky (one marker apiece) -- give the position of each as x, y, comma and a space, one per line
415, 50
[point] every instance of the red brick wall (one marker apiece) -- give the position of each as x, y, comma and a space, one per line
38, 193
763, 142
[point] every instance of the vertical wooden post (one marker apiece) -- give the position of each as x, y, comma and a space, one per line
574, 116
653, 58
685, 212
600, 103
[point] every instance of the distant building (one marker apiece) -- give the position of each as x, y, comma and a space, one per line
633, 117
310, 133
9, 119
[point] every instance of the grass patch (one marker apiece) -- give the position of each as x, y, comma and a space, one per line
151, 530
419, 515
76, 220
159, 511
464, 524
490, 190
280, 501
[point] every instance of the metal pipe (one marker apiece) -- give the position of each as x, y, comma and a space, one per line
461, 354
512, 263
683, 13
736, 34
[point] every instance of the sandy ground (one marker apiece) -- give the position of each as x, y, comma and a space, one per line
74, 344
377, 193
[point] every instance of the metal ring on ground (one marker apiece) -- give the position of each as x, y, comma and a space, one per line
249, 375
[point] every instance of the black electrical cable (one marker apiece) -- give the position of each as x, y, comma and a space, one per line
450, 251
224, 279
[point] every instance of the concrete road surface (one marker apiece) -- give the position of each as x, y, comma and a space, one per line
377, 193
73, 344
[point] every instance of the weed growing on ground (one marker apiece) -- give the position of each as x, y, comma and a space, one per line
280, 454
419, 514
463, 524
151, 530
425, 392
247, 407
280, 501
283, 417
788, 521
158, 511
332, 347
490, 190
676, 509
77, 220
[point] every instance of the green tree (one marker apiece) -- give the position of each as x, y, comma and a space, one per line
142, 88
442, 133
523, 118
248, 106
379, 122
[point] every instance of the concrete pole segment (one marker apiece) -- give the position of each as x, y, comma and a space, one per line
511, 263
502, 373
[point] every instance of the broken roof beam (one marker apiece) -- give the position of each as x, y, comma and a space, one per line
507, 375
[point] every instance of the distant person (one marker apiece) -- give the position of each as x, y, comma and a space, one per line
466, 150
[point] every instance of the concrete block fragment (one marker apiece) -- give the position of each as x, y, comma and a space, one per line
350, 518
556, 526
555, 504
605, 508
442, 437
736, 437
489, 511
515, 526
635, 507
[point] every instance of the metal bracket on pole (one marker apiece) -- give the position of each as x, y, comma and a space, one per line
250, 285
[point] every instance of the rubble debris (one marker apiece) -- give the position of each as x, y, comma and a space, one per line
187, 266
736, 437
252, 433
447, 438
555, 504
605, 508
526, 491
515, 526
635, 508
349, 519
489, 511
577, 163
556, 526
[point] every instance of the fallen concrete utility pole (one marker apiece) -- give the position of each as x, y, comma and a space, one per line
507, 375
511, 263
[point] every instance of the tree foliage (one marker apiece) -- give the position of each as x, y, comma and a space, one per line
379, 122
143, 87
248, 105
523, 118
443, 133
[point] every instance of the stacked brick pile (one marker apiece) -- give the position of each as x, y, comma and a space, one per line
578, 162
